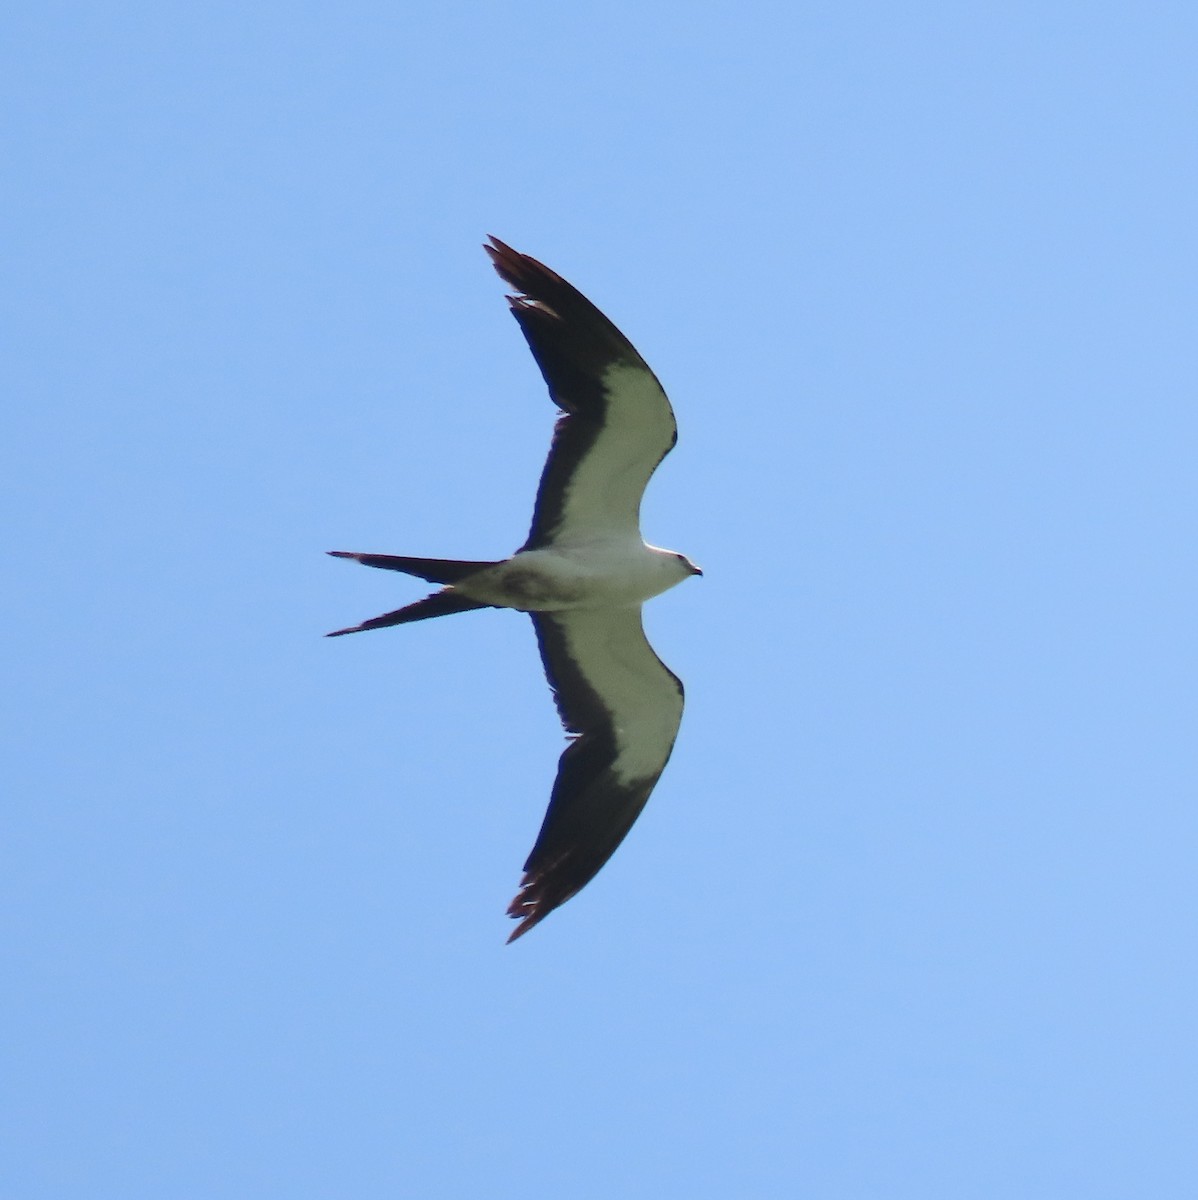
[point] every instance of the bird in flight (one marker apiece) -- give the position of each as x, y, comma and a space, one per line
582, 576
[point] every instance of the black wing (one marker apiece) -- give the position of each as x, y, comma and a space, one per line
617, 424
624, 707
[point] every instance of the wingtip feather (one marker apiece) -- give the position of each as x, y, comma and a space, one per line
522, 271
542, 891
530, 910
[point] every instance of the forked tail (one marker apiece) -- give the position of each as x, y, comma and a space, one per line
435, 570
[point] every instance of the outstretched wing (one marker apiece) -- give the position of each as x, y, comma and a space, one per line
617, 424
624, 707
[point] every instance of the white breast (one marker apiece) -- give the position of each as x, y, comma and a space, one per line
597, 574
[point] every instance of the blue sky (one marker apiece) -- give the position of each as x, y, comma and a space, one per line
912, 911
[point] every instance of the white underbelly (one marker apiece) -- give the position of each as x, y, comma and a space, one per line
554, 580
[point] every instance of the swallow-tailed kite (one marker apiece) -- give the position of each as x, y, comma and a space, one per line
582, 576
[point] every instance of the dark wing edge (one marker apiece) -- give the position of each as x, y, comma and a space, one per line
591, 808
573, 344
571, 339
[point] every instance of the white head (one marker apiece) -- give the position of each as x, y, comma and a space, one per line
674, 567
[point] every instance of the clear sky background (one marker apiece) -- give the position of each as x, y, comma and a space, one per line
912, 912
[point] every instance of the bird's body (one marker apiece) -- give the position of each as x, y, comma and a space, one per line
582, 575
601, 573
